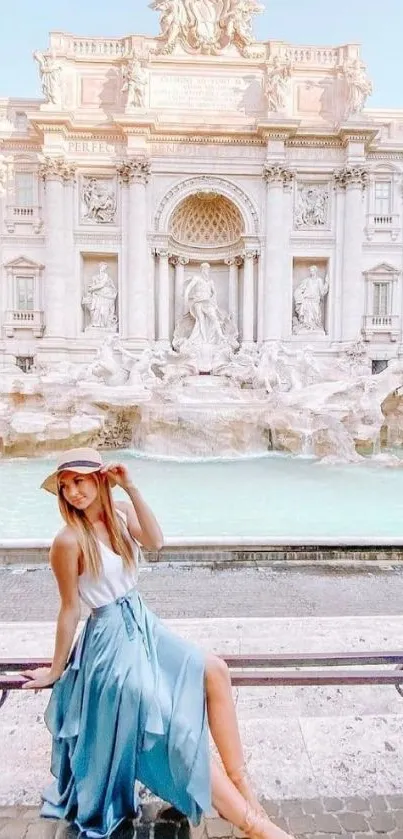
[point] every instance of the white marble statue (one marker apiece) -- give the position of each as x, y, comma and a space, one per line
276, 85
239, 367
173, 21
238, 22
176, 366
107, 367
50, 75
100, 201
206, 25
308, 298
203, 323
141, 369
100, 299
135, 80
312, 207
204, 328
201, 302
359, 86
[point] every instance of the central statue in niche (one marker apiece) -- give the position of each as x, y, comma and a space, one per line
205, 332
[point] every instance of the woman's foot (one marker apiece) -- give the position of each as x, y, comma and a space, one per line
258, 826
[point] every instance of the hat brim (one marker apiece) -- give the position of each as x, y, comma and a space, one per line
50, 483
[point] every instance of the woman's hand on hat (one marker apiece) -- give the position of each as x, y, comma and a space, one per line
119, 473
39, 679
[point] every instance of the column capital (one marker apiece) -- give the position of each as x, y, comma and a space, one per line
57, 169
276, 173
175, 259
162, 253
351, 176
134, 170
233, 260
251, 253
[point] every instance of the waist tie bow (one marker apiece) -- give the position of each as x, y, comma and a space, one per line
133, 617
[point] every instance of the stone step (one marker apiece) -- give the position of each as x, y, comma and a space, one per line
299, 742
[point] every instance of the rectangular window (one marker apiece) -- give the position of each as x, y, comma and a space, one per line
381, 300
383, 198
379, 365
25, 294
21, 121
25, 362
24, 189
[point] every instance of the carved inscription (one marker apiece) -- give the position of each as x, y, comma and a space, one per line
209, 150
229, 93
91, 147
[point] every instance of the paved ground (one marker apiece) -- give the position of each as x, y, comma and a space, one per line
316, 818
176, 592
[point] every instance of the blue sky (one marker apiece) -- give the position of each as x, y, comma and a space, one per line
24, 26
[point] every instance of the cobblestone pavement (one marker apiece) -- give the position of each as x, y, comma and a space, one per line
318, 818
190, 592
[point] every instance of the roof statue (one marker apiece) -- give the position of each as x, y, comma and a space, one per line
207, 26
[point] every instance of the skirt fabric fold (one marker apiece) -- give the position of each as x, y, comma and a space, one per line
129, 707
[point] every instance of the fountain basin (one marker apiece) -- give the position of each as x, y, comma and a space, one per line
272, 500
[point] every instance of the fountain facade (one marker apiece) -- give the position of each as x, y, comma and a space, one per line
200, 245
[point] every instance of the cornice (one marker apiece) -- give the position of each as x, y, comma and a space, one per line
10, 146
314, 141
396, 154
207, 139
281, 130
357, 133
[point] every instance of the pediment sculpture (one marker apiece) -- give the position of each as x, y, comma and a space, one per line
206, 26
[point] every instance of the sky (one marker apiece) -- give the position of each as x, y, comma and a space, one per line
377, 26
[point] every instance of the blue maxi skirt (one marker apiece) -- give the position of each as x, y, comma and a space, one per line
129, 707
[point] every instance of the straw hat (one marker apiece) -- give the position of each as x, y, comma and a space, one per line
83, 461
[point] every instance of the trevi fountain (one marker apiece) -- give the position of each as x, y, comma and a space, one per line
201, 255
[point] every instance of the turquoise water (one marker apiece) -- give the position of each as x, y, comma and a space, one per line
274, 497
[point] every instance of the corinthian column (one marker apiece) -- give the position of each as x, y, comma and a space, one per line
55, 173
179, 263
233, 287
248, 296
278, 178
73, 313
352, 180
163, 295
134, 174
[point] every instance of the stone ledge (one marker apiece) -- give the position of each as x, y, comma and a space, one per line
234, 555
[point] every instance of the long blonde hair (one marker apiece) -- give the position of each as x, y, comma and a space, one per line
89, 544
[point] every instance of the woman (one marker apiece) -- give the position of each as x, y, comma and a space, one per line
131, 701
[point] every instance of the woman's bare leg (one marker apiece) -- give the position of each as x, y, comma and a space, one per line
231, 805
224, 726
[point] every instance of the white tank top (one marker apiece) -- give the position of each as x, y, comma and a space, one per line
114, 580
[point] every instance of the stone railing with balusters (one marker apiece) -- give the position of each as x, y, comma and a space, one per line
87, 48
24, 319
19, 214
381, 324
383, 223
311, 56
